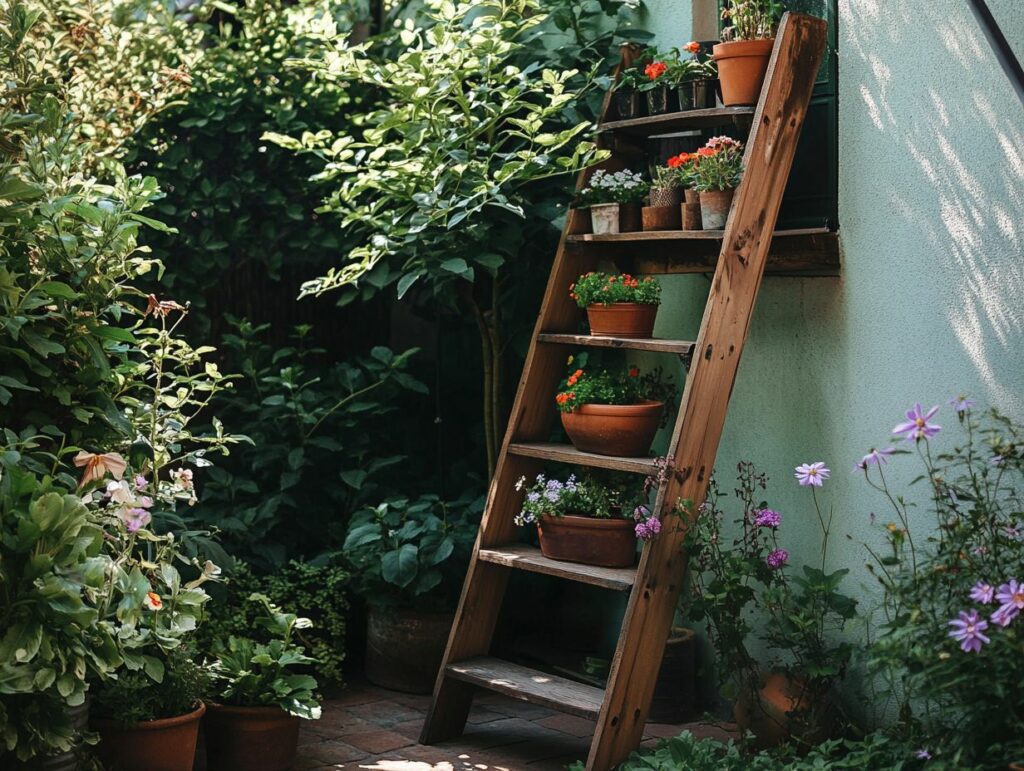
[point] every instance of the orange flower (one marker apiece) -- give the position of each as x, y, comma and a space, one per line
693, 47
707, 152
655, 70
153, 601
98, 466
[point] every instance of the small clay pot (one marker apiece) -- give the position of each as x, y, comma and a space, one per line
666, 196
604, 218
691, 195
662, 218
630, 218
627, 104
633, 320
578, 222
714, 208
608, 543
253, 738
742, 65
404, 647
691, 217
622, 430
168, 744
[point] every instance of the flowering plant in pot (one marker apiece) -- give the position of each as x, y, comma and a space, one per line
262, 693
694, 78
612, 412
717, 171
618, 305
613, 198
743, 55
685, 167
660, 81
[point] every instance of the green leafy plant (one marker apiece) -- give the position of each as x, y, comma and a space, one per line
718, 165
134, 696
613, 187
611, 387
604, 289
585, 497
751, 19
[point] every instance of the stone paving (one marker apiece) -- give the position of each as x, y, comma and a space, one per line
370, 728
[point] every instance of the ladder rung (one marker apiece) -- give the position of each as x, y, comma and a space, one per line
566, 453
654, 125
530, 685
681, 347
526, 557
681, 235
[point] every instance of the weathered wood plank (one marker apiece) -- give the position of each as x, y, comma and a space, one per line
680, 235
654, 125
525, 557
566, 453
679, 347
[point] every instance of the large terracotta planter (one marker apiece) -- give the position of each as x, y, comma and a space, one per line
714, 208
253, 738
742, 65
168, 744
624, 430
633, 320
404, 647
608, 543
781, 709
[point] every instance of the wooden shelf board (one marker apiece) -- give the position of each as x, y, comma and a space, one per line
682, 235
566, 453
526, 557
655, 125
529, 685
680, 347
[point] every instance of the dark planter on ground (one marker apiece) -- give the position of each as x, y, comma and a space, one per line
168, 744
253, 738
742, 66
625, 430
69, 761
675, 691
404, 647
609, 543
634, 320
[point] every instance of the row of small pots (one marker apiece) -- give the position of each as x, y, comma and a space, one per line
692, 95
708, 210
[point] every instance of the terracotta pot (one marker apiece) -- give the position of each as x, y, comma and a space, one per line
691, 195
608, 543
780, 710
604, 218
662, 218
660, 99
742, 65
627, 104
666, 196
404, 647
630, 219
691, 217
578, 222
253, 738
168, 744
675, 690
714, 208
624, 430
622, 319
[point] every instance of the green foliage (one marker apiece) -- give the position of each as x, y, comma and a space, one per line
605, 289
586, 497
751, 19
135, 696
410, 553
255, 674
604, 386
719, 165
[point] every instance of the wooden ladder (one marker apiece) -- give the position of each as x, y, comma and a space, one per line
654, 585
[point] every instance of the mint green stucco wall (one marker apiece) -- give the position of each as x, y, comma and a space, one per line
931, 297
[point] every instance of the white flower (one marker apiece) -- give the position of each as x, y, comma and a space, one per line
120, 493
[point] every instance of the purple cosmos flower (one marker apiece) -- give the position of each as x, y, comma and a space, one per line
648, 529
777, 559
916, 426
982, 592
967, 630
961, 403
1011, 598
923, 754
134, 519
808, 474
768, 518
874, 458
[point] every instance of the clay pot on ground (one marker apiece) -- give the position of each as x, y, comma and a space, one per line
630, 218
404, 647
624, 430
742, 65
781, 709
168, 744
662, 217
633, 320
676, 688
627, 104
714, 208
68, 761
578, 222
609, 543
253, 738
604, 218
666, 196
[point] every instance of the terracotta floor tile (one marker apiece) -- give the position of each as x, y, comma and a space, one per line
377, 742
569, 724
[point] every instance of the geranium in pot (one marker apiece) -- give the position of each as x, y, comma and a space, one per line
627, 93
693, 79
717, 172
407, 560
685, 166
618, 305
614, 199
660, 85
262, 693
743, 55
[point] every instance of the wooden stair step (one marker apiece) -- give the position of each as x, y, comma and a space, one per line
566, 453
680, 347
680, 235
655, 125
526, 557
530, 685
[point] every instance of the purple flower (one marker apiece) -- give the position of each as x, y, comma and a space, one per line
641, 513
648, 529
808, 474
1011, 598
1012, 531
961, 403
768, 518
777, 559
134, 519
874, 458
982, 592
923, 754
967, 630
140, 482
916, 426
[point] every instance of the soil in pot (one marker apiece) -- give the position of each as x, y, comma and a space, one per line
624, 430
609, 543
604, 218
742, 65
404, 647
714, 208
168, 744
253, 738
633, 320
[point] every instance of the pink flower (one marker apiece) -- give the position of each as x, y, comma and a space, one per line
134, 519
648, 529
916, 426
140, 482
1011, 598
808, 474
982, 592
967, 630
874, 458
777, 559
768, 518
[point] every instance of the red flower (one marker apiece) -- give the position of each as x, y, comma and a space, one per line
693, 47
655, 70
706, 152
562, 398
634, 372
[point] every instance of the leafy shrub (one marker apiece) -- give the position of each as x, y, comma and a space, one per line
601, 288
135, 696
605, 386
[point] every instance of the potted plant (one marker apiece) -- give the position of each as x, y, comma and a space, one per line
407, 560
254, 721
743, 55
666, 195
612, 413
690, 77
717, 171
614, 199
627, 93
618, 305
659, 87
685, 166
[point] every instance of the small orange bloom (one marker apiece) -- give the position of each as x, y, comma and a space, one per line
655, 70
693, 47
153, 601
706, 152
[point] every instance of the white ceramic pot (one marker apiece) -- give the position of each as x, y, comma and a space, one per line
604, 218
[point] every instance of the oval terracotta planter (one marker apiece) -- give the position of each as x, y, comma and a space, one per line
404, 647
624, 430
253, 738
608, 543
633, 320
714, 208
168, 744
742, 65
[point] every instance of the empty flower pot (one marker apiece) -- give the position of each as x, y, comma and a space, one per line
253, 738
623, 430
609, 543
633, 320
662, 217
168, 744
742, 66
714, 208
604, 218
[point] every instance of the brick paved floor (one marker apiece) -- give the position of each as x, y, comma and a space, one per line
370, 728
